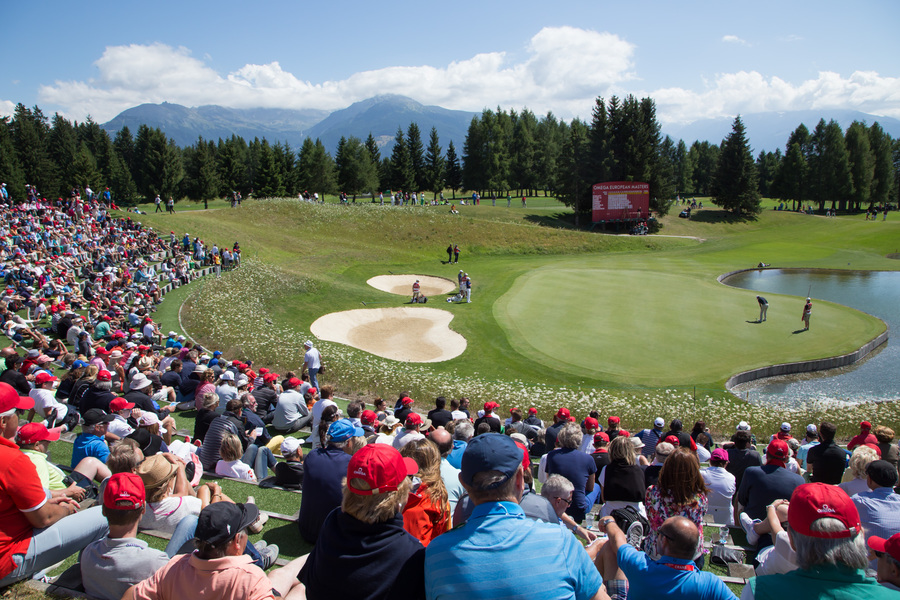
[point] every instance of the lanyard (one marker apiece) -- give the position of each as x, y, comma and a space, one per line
679, 567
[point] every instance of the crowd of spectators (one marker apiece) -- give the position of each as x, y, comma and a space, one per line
395, 503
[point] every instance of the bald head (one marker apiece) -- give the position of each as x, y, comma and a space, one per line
7, 352
679, 537
442, 439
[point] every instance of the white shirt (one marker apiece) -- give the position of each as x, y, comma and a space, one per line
236, 469
44, 399
406, 436
722, 486
120, 427
458, 414
312, 359
317, 409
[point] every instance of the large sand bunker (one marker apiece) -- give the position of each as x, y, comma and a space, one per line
409, 334
402, 284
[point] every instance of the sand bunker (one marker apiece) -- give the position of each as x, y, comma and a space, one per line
402, 284
408, 334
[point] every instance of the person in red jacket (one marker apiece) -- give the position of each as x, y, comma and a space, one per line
865, 437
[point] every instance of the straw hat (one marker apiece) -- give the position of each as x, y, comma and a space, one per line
156, 471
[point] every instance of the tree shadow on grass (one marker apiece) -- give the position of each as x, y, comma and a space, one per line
565, 220
717, 215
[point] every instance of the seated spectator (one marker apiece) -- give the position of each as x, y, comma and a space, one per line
761, 486
289, 474
680, 491
684, 438
889, 451
231, 465
206, 415
622, 480
443, 441
458, 563
170, 496
651, 437
864, 437
651, 473
630, 573
811, 439
826, 462
780, 556
601, 452
34, 440
91, 441
98, 394
855, 479
49, 410
440, 416
879, 506
291, 413
412, 430
123, 424
463, 432
721, 486
742, 456
229, 422
826, 532
322, 473
589, 427
569, 461
366, 534
387, 431
35, 532
427, 512
558, 492
113, 564
219, 568
887, 552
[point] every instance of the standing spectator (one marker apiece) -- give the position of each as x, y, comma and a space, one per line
312, 363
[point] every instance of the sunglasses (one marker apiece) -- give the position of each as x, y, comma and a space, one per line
566, 500
878, 554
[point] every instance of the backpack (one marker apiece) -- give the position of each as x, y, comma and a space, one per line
633, 524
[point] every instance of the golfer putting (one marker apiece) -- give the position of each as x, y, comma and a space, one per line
763, 308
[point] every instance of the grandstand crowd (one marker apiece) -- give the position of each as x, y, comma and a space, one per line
398, 500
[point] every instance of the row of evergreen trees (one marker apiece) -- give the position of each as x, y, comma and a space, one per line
504, 152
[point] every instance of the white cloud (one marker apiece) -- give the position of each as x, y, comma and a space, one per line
749, 92
564, 70
733, 39
6, 108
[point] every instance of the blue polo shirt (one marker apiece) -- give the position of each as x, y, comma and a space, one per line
323, 470
89, 445
455, 456
500, 553
668, 577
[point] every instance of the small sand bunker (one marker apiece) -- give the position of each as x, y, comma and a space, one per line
402, 284
408, 334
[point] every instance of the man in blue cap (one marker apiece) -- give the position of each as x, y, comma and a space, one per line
323, 470
486, 557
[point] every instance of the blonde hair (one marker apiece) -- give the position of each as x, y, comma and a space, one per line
621, 448
374, 508
231, 448
860, 459
355, 444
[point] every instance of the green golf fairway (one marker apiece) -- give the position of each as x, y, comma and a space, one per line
605, 324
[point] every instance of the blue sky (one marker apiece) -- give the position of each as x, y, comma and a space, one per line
697, 59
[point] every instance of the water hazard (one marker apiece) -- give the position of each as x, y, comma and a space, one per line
874, 292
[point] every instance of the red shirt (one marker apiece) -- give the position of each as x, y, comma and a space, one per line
862, 439
20, 492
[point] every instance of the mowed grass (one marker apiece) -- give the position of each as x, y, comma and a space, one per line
551, 305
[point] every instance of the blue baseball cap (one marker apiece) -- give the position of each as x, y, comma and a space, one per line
490, 452
217, 353
79, 364
344, 429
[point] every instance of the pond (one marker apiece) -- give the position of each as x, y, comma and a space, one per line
874, 292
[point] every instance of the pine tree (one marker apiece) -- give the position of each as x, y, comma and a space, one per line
10, 170
416, 152
454, 169
735, 187
862, 163
883, 182
434, 164
268, 183
829, 166
524, 150
474, 167
402, 174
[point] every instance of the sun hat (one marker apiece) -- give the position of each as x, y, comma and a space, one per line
719, 454
290, 445
156, 471
308, 344
813, 501
381, 466
890, 546
43, 359
95, 416
222, 521
139, 381
11, 400
124, 491
519, 437
32, 433
490, 452
391, 421
743, 426
636, 442
117, 404
227, 376
344, 429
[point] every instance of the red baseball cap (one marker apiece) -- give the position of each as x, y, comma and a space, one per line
890, 546
43, 377
104, 375
532, 411
865, 425
490, 405
526, 458
778, 449
117, 404
269, 377
10, 399
368, 417
613, 420
813, 501
672, 439
414, 418
381, 466
624, 433
591, 423
32, 433
562, 414
263, 371
101, 350
600, 435
294, 382
406, 401
125, 491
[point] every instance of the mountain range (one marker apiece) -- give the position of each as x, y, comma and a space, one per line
383, 115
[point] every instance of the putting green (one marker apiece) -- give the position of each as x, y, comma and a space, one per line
656, 328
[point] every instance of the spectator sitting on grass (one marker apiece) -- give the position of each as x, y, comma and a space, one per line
289, 474
91, 442
34, 440
111, 565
